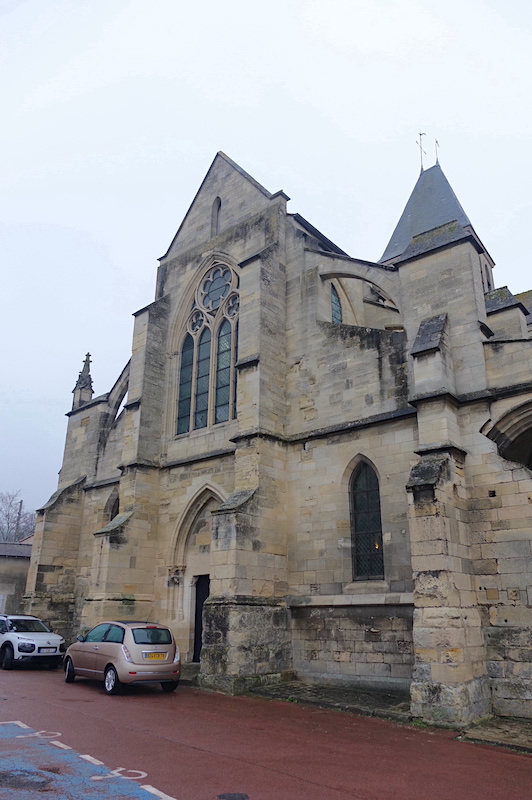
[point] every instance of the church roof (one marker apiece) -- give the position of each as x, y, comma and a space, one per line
431, 205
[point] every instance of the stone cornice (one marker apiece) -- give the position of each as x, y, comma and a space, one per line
327, 600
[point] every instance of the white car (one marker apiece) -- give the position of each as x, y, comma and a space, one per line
25, 639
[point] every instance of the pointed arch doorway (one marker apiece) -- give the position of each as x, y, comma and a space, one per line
193, 554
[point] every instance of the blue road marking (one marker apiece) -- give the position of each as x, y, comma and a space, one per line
35, 761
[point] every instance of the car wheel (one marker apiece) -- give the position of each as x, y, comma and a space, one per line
111, 682
7, 657
169, 686
70, 672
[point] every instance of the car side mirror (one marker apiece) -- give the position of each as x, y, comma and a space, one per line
80, 637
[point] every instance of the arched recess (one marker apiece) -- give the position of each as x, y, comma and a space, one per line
215, 217
512, 434
207, 495
189, 569
362, 482
112, 506
366, 302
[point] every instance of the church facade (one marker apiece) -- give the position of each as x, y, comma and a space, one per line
312, 464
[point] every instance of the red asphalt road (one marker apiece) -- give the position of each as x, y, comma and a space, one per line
198, 745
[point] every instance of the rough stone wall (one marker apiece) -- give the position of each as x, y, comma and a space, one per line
246, 642
508, 363
500, 524
13, 575
460, 295
450, 683
319, 472
52, 575
356, 644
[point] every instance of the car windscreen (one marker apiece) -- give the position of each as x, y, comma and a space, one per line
152, 636
27, 626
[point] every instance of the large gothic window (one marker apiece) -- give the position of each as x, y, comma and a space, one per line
207, 374
366, 527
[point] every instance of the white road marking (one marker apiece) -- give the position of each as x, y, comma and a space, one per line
39, 735
115, 773
156, 792
15, 722
92, 760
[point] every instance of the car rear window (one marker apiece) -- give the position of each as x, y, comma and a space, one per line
152, 636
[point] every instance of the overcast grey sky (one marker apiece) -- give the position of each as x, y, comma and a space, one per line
114, 109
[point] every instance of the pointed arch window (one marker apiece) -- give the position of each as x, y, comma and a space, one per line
203, 370
366, 525
336, 306
207, 371
215, 218
115, 508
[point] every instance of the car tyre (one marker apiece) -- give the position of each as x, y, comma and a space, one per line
111, 682
7, 657
70, 672
169, 686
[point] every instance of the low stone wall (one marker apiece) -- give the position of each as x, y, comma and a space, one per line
369, 644
509, 664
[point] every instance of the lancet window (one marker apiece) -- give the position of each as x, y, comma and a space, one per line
366, 525
208, 354
336, 306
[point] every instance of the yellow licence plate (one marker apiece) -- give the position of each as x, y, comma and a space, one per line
156, 656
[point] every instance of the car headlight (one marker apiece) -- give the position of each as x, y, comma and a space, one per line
25, 647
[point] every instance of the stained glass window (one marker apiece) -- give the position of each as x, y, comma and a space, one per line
185, 385
203, 378
215, 287
223, 373
366, 526
207, 370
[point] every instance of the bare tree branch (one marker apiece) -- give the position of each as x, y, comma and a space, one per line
15, 522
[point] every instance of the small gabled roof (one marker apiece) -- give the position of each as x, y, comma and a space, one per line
501, 299
431, 205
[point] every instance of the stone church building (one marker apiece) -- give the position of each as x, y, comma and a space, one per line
312, 464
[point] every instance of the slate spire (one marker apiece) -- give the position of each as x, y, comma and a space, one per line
83, 389
431, 205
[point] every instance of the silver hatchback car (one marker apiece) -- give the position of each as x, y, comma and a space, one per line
119, 652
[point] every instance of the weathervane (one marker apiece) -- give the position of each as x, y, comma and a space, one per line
420, 145
436, 145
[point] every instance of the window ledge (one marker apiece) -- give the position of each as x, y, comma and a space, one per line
383, 599
367, 587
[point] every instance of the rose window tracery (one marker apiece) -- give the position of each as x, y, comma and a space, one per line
216, 286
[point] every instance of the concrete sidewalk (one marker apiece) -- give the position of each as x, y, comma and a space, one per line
395, 705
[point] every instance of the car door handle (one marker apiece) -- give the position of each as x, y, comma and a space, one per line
95, 648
